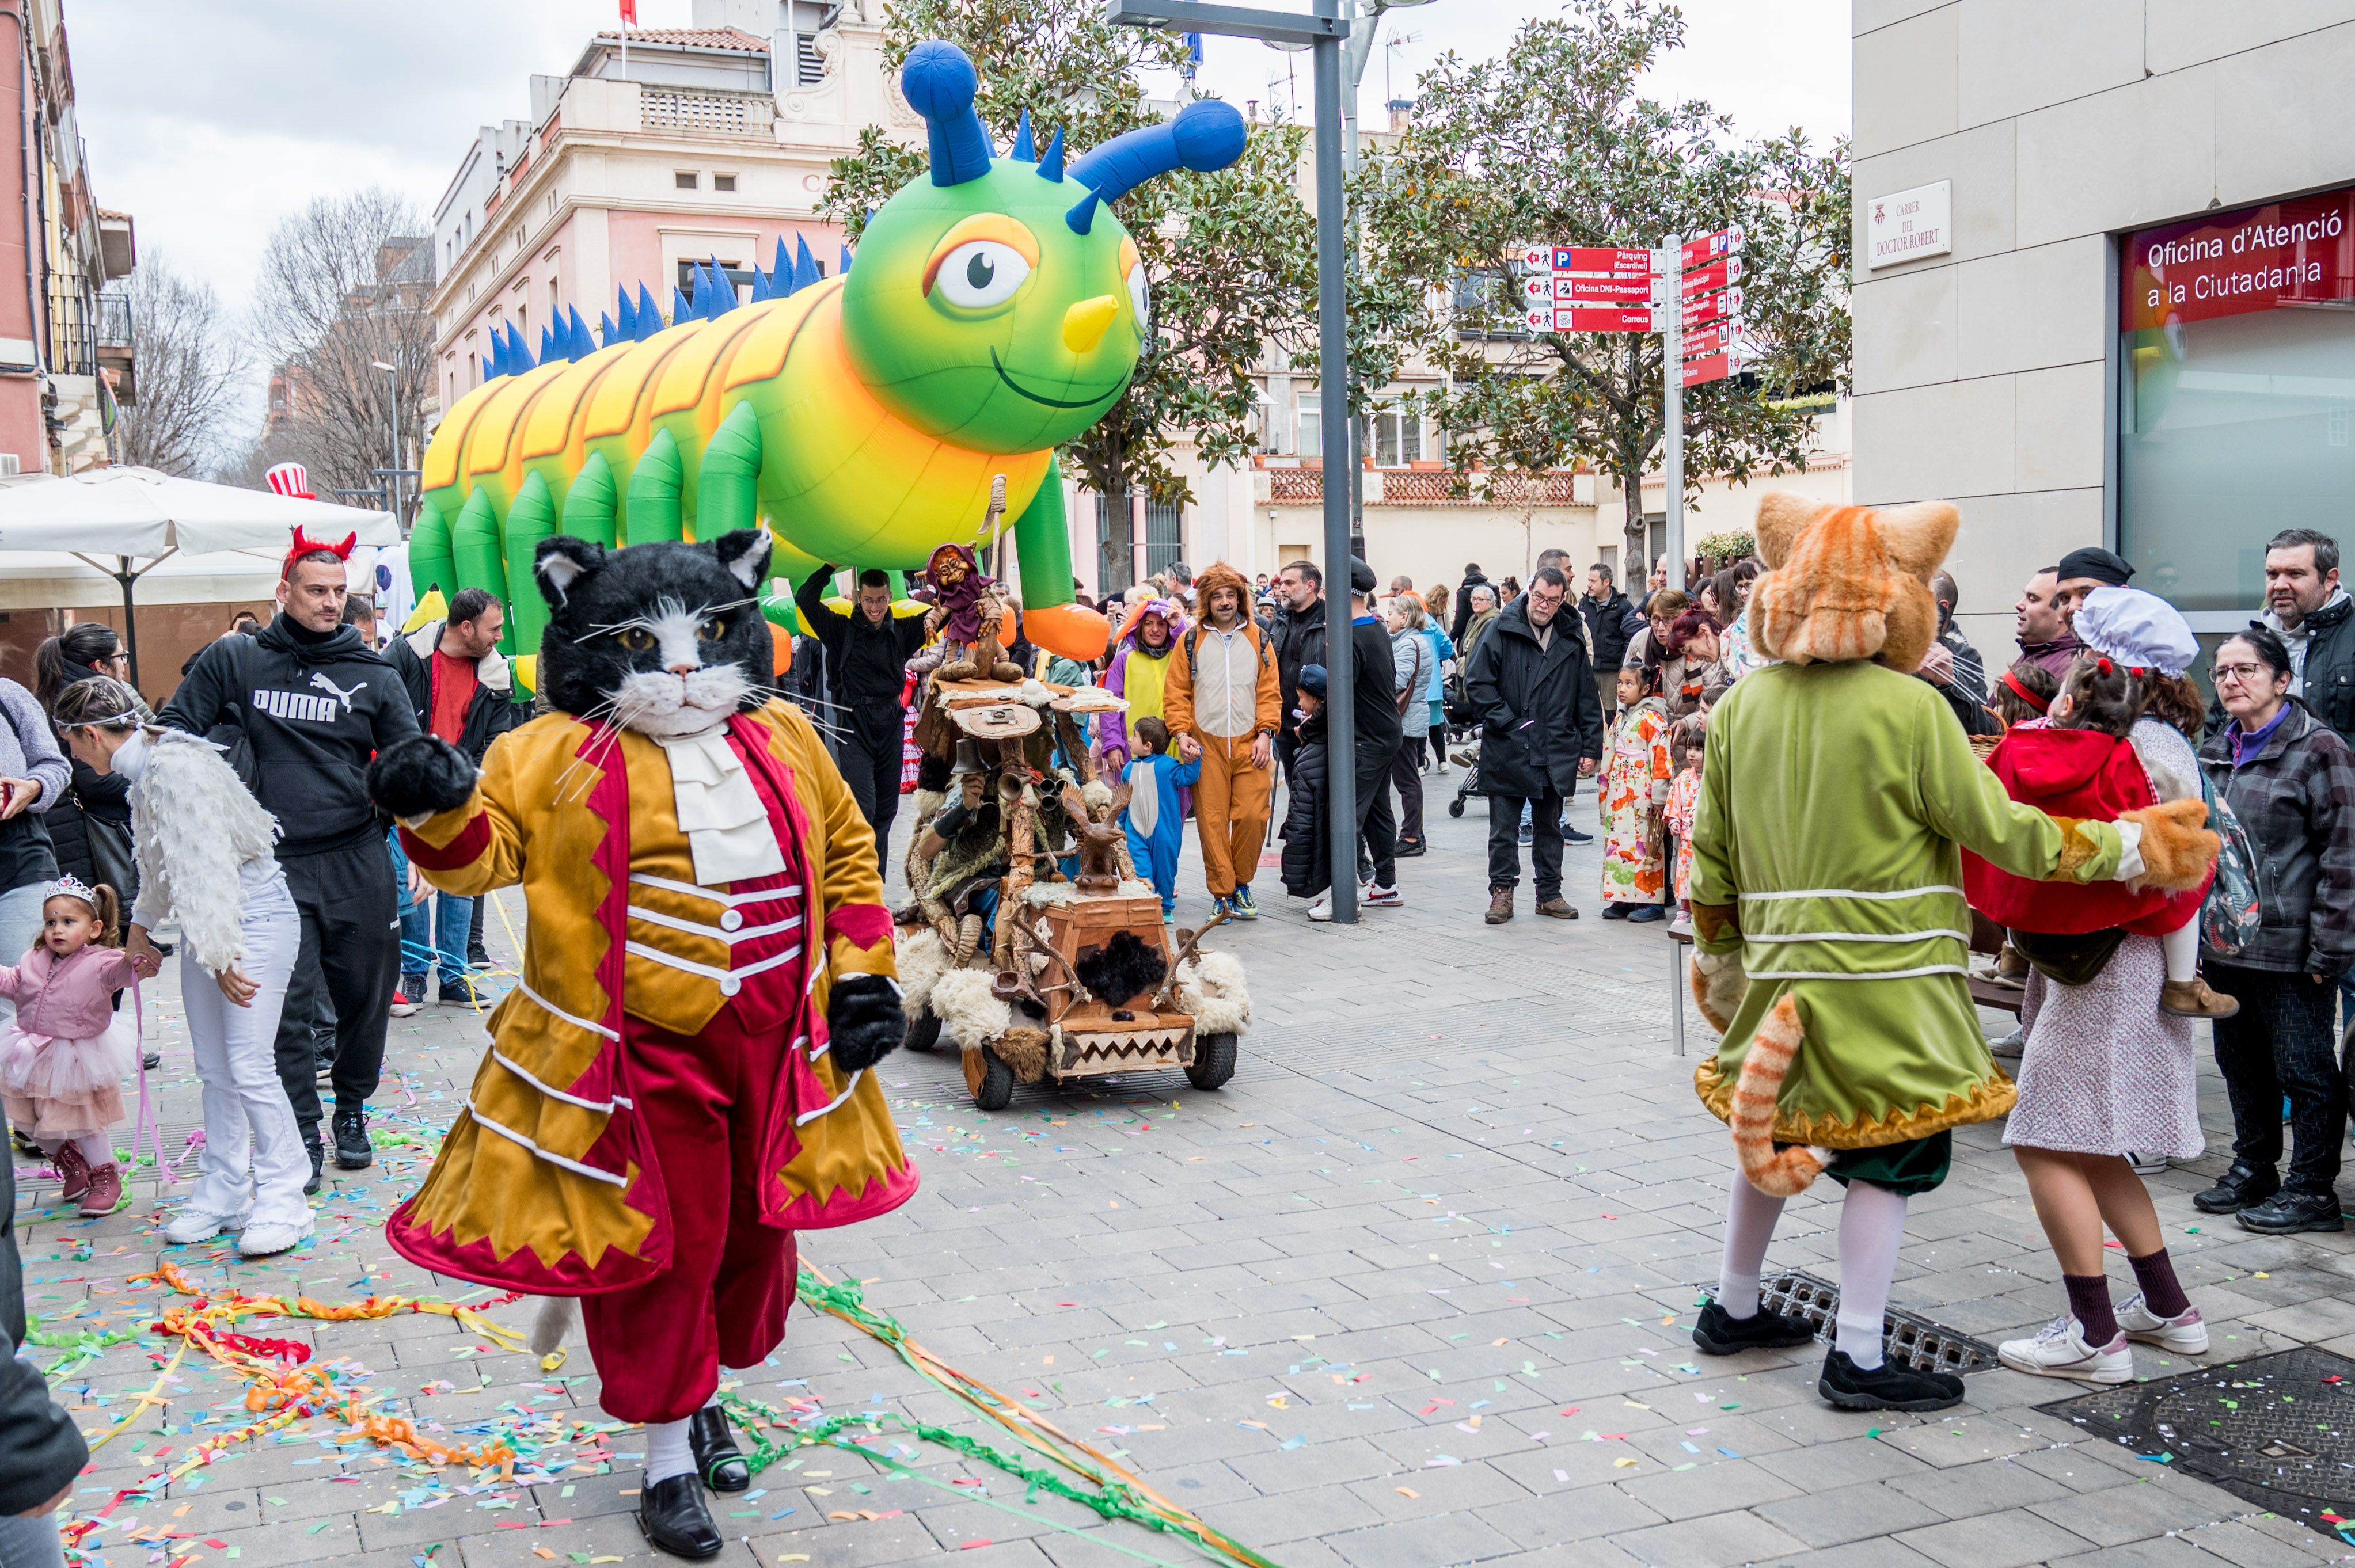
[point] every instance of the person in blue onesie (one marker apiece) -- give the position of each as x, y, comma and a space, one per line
1155, 821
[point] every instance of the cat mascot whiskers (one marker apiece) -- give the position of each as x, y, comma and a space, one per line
680, 1081
1830, 931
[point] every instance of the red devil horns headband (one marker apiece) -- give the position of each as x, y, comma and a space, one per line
306, 545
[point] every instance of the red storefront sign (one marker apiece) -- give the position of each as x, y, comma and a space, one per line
2297, 251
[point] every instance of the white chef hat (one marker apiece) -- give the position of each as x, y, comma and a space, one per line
2138, 629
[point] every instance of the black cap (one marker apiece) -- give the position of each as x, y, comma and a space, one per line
1312, 681
2105, 566
1361, 576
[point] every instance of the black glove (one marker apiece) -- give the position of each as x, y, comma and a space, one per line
863, 1021
420, 775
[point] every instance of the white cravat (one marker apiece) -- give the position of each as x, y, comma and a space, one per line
727, 827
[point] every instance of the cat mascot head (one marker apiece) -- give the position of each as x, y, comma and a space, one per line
663, 638
1849, 582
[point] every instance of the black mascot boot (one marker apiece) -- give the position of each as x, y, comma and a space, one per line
674, 1517
717, 1458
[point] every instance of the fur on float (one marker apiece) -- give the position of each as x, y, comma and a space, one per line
921, 960
966, 1008
1210, 989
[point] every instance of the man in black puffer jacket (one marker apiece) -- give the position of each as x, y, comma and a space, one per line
316, 706
1542, 732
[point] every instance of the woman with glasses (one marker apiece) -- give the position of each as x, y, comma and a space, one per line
2291, 782
88, 650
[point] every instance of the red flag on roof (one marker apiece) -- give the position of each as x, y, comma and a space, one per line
629, 13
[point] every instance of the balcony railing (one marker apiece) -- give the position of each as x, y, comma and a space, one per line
113, 321
709, 113
1431, 487
73, 338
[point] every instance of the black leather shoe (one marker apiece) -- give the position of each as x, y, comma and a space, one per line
1886, 1387
1720, 1333
318, 1168
717, 1458
353, 1149
674, 1517
2287, 1212
2239, 1188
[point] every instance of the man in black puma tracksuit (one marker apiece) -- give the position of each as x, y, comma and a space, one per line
316, 706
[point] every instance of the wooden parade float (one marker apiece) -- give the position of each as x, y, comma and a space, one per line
1041, 977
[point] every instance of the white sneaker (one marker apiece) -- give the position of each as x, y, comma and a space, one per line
2008, 1047
2145, 1164
2186, 1334
1379, 897
1323, 908
192, 1225
267, 1241
2059, 1350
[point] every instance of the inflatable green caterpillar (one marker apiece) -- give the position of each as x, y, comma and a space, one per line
997, 310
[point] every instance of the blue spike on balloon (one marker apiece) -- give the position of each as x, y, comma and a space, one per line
546, 344
1051, 168
804, 265
760, 290
495, 363
723, 291
606, 330
680, 311
519, 357
650, 320
846, 260
583, 345
1024, 149
1082, 217
626, 320
782, 268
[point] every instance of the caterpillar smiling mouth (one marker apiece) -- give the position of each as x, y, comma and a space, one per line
994, 364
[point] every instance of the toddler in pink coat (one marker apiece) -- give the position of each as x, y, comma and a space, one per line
63, 1060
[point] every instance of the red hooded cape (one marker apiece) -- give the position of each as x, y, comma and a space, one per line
2072, 773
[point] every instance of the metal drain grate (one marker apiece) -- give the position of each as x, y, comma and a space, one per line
1908, 1338
2277, 1431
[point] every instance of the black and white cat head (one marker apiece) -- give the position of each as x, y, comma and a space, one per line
663, 638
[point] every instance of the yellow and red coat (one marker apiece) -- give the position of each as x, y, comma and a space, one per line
545, 1182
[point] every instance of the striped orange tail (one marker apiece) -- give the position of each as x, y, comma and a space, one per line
1764, 1067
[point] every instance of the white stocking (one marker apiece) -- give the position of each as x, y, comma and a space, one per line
1872, 1229
667, 1454
2180, 947
96, 1148
1749, 1226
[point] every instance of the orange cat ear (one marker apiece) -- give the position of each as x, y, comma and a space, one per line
1918, 536
1782, 518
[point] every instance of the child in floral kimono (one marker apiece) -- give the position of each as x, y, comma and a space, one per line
1632, 797
1686, 743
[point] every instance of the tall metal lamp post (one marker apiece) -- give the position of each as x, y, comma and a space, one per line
1324, 29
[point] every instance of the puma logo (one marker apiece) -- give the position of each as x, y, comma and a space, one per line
324, 685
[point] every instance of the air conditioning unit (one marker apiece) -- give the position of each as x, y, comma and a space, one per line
8, 467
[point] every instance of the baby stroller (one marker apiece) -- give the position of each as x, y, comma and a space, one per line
1457, 710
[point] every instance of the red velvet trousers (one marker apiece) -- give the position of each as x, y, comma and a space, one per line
659, 1346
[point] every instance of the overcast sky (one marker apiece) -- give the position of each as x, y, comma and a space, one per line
210, 119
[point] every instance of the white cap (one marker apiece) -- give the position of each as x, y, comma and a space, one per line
2137, 629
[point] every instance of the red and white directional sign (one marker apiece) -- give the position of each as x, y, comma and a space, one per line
1602, 258
1716, 307
1700, 252
1717, 275
1590, 318
1567, 287
1709, 340
1716, 367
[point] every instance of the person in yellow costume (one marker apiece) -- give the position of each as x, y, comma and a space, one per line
679, 1083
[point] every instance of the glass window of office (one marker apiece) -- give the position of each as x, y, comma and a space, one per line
2237, 376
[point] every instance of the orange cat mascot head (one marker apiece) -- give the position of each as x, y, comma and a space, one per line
1849, 582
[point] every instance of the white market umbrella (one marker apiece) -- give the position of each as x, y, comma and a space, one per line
142, 514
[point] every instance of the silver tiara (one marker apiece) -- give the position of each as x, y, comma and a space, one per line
70, 886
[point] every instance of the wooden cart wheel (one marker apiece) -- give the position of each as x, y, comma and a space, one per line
990, 1080
924, 1032
1214, 1061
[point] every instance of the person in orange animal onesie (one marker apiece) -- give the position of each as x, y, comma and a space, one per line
1223, 704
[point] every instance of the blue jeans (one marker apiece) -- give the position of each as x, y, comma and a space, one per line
433, 925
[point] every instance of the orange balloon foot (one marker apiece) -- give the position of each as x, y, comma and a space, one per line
1072, 631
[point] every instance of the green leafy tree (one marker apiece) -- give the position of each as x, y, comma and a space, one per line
1552, 144
1231, 256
